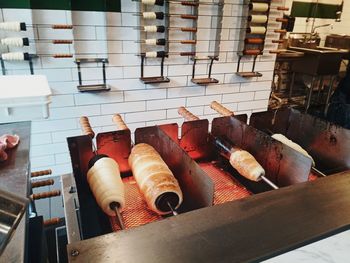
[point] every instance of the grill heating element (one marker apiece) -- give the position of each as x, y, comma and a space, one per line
226, 187
136, 212
204, 179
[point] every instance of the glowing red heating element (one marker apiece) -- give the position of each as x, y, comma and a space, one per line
136, 212
312, 177
226, 188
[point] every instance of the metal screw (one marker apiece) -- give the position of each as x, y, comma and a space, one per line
74, 253
72, 190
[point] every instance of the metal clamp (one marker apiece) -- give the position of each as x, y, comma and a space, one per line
92, 87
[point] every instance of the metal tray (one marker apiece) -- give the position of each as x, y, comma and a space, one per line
12, 208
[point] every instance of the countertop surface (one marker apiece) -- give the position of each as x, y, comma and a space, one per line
334, 249
14, 177
15, 170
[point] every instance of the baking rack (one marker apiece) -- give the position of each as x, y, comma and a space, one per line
29, 58
247, 48
215, 56
143, 47
92, 87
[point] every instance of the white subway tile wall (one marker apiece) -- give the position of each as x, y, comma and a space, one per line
112, 34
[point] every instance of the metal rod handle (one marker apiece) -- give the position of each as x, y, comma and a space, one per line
269, 182
318, 172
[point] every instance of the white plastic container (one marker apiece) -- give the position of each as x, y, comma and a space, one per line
24, 97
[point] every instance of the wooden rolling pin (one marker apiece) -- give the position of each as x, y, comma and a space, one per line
52, 221
280, 31
252, 52
187, 115
86, 127
282, 20
42, 183
62, 41
118, 121
278, 41
221, 109
62, 56
57, 26
41, 173
45, 195
254, 41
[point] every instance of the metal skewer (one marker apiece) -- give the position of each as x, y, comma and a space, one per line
225, 148
24, 56
87, 130
226, 112
20, 42
161, 29
172, 209
161, 15
162, 54
115, 206
184, 3
163, 41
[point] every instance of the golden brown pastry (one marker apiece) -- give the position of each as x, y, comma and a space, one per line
246, 165
154, 179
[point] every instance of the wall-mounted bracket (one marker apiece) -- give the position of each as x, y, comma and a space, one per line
27, 57
92, 87
247, 74
153, 80
209, 79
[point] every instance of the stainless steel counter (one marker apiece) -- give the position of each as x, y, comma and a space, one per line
14, 178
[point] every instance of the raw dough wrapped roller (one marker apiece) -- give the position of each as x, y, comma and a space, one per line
155, 180
106, 184
104, 179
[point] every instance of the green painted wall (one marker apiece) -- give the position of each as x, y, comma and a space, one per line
76, 5
302, 9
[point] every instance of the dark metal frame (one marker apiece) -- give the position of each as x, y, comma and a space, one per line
92, 87
327, 143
